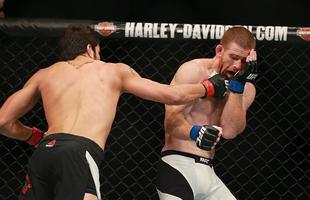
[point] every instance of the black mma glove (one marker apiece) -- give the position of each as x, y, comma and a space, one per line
215, 86
247, 74
205, 136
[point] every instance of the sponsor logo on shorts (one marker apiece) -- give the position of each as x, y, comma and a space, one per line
204, 160
26, 186
51, 143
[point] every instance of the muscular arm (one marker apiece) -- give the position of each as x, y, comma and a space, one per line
175, 122
17, 105
233, 119
168, 94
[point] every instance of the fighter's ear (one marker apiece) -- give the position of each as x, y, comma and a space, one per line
219, 50
90, 51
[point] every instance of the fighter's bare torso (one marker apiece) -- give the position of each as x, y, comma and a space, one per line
198, 112
75, 104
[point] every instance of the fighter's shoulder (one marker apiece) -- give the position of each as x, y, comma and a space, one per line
36, 78
117, 69
192, 67
54, 66
197, 64
120, 66
110, 65
46, 72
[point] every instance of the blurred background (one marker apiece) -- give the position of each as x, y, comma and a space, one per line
263, 12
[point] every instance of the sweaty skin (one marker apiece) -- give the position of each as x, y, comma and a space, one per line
80, 97
228, 113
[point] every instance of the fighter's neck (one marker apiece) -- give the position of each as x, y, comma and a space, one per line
80, 61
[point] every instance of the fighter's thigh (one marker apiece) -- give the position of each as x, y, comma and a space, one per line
171, 183
89, 196
221, 193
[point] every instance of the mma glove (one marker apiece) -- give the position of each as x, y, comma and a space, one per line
247, 74
215, 86
205, 136
35, 137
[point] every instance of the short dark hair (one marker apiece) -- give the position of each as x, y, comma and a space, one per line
74, 41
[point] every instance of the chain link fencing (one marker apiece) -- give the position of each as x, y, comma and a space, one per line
270, 160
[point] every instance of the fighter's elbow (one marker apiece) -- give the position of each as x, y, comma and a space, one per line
3, 123
229, 135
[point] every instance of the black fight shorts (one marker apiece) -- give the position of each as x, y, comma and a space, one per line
63, 167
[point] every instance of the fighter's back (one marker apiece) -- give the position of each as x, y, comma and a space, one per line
80, 99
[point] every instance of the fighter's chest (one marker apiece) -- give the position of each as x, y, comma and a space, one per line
209, 107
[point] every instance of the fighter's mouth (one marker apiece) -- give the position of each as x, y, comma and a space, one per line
230, 74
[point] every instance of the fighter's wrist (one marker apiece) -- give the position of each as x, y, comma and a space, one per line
35, 137
209, 88
236, 86
195, 132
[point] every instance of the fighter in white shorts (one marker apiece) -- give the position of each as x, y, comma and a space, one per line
185, 170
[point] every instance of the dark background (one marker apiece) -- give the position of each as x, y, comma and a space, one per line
243, 12
270, 160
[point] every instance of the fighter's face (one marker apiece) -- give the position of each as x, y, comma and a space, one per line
233, 59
